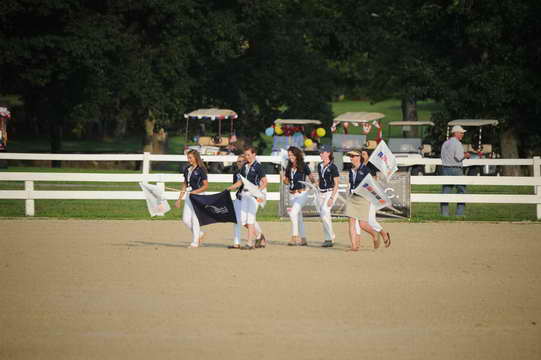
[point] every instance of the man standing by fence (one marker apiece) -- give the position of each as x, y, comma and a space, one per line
452, 154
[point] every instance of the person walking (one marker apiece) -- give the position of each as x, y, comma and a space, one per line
328, 190
372, 221
260, 238
452, 155
357, 207
253, 171
195, 182
296, 171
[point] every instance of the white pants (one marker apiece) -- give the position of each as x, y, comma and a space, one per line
325, 214
297, 201
248, 209
190, 219
371, 221
236, 239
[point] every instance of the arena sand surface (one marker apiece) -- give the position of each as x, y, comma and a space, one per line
132, 290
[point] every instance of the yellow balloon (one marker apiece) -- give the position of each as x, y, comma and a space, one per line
278, 130
308, 142
320, 132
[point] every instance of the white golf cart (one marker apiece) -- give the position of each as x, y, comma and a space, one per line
477, 149
342, 143
409, 144
292, 134
212, 145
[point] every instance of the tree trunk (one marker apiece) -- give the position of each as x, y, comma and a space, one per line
150, 122
121, 123
409, 113
409, 108
509, 145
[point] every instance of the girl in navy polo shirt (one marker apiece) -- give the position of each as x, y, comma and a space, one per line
297, 170
237, 204
328, 190
195, 182
357, 207
253, 171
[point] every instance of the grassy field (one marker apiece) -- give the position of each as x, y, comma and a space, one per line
134, 209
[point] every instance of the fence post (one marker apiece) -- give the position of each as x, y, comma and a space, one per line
537, 173
146, 163
29, 207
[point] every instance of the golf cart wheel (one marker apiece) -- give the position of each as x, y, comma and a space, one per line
417, 171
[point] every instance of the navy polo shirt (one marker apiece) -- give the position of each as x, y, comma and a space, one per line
236, 177
195, 178
357, 176
253, 173
297, 176
327, 175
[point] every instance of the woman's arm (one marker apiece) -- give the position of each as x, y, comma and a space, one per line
235, 185
263, 183
202, 188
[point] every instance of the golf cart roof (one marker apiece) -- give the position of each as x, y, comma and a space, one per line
411, 123
296, 122
360, 117
473, 122
213, 114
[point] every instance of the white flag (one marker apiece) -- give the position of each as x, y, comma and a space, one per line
255, 191
156, 203
371, 191
384, 160
314, 193
284, 158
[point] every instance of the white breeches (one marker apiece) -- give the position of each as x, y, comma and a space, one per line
238, 225
325, 214
190, 219
248, 209
297, 202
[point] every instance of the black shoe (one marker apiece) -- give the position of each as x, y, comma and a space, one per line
327, 243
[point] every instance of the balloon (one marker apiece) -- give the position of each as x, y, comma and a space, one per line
320, 132
308, 143
278, 130
269, 131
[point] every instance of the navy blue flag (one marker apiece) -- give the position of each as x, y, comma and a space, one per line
215, 208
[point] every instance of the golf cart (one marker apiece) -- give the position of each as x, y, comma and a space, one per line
342, 143
212, 145
292, 132
477, 150
409, 144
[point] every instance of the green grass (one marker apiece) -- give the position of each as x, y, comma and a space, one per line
136, 209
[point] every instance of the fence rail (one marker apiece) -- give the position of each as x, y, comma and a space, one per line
29, 194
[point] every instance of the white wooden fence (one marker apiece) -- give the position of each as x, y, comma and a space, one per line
30, 195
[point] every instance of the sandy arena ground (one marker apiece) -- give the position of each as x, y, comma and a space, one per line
132, 290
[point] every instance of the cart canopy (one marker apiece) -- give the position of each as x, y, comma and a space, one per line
296, 122
212, 114
360, 117
473, 122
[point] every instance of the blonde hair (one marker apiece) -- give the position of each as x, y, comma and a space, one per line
197, 158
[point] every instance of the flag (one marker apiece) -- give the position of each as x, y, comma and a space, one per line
156, 203
384, 160
255, 191
215, 208
313, 193
371, 191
